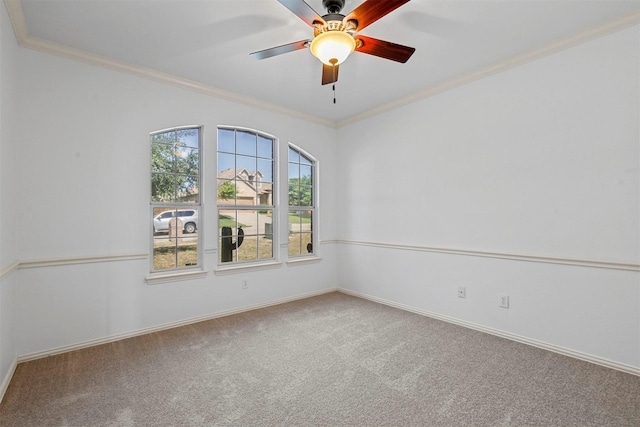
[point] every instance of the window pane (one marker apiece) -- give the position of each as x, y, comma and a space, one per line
257, 227
294, 156
175, 179
294, 195
306, 196
175, 241
294, 171
265, 194
162, 187
304, 160
226, 191
188, 138
162, 159
265, 147
246, 172
164, 253
226, 140
248, 251
244, 162
187, 188
186, 160
227, 218
265, 167
305, 174
226, 165
300, 232
246, 143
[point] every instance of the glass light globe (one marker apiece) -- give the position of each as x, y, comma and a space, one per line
332, 47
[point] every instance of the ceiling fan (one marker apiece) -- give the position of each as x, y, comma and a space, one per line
334, 34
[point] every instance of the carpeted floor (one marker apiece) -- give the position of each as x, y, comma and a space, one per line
331, 360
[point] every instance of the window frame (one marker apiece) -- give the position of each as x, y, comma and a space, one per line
274, 207
186, 271
313, 208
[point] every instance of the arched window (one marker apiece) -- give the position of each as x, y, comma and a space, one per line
245, 193
302, 204
175, 198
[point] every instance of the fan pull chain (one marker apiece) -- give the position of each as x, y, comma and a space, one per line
334, 93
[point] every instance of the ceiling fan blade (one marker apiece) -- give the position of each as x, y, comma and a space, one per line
329, 74
372, 10
305, 12
279, 50
384, 49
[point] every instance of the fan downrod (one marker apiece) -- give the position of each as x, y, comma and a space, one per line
333, 6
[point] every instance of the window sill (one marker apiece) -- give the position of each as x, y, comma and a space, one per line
303, 260
221, 270
158, 278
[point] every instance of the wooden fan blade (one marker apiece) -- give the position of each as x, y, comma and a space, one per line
279, 50
372, 10
329, 74
383, 49
303, 11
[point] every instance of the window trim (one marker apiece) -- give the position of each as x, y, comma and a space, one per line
190, 271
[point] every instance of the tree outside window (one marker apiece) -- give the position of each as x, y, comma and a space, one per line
175, 198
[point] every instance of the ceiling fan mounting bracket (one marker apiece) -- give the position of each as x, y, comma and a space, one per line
333, 6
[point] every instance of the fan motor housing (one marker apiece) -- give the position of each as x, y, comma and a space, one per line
333, 6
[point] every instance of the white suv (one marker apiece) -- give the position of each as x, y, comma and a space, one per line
189, 218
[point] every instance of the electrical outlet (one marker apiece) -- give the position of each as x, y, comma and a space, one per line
462, 292
245, 284
504, 300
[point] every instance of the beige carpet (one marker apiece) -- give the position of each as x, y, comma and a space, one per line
331, 360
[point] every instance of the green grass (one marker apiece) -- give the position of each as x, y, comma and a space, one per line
225, 221
295, 218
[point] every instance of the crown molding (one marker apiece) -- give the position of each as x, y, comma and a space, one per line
18, 22
25, 40
16, 14
614, 25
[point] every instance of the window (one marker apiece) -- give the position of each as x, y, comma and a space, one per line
246, 206
301, 202
175, 198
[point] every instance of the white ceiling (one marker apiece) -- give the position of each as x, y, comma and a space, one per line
209, 42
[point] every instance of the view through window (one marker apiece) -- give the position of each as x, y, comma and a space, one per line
175, 197
246, 203
301, 202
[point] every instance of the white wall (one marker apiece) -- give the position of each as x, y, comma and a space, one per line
84, 191
540, 160
8, 255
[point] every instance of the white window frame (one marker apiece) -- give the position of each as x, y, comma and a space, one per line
187, 271
274, 207
314, 208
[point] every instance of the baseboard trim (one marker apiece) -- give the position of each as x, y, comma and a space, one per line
7, 378
165, 326
513, 337
500, 255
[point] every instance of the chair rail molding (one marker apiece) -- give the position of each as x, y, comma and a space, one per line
501, 255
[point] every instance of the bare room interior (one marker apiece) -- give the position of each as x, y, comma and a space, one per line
201, 206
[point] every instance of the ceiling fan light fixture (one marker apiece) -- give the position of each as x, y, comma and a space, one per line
333, 47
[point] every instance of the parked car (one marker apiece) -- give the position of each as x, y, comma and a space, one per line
189, 218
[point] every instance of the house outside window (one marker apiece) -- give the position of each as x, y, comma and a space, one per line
175, 198
245, 195
302, 194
